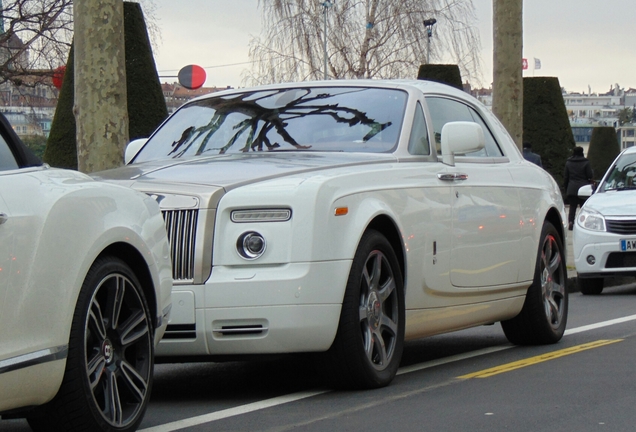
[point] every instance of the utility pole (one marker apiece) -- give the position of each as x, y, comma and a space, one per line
326, 5
100, 108
507, 97
429, 23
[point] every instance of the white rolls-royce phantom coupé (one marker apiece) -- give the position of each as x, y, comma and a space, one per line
346, 217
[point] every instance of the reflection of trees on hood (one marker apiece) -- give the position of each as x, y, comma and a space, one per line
262, 120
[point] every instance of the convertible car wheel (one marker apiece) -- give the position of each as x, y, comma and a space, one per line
368, 346
108, 374
544, 315
590, 286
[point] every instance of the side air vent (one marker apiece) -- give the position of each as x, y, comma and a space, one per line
240, 330
180, 331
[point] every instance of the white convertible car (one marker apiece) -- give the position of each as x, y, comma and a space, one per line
85, 294
345, 217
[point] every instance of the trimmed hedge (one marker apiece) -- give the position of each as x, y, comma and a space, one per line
445, 74
603, 149
546, 124
146, 104
61, 146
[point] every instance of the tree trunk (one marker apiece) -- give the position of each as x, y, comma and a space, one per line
100, 107
507, 94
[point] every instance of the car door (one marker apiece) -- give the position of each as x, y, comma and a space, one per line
485, 248
9, 167
19, 227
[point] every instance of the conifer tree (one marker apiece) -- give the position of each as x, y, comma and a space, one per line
546, 124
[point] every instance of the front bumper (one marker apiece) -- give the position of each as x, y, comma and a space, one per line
605, 249
257, 310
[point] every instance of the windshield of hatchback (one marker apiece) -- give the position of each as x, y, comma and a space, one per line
621, 175
350, 119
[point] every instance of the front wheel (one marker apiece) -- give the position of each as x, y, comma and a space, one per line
368, 346
590, 286
544, 315
108, 377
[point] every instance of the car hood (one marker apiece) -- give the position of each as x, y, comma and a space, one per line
230, 171
614, 203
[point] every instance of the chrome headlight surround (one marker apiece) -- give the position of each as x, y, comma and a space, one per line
251, 245
591, 220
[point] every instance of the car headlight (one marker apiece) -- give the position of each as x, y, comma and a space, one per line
591, 220
251, 245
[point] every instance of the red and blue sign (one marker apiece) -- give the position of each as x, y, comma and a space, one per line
192, 77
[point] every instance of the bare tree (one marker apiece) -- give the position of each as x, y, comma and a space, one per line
35, 37
365, 39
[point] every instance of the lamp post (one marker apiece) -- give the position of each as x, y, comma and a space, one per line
429, 23
326, 5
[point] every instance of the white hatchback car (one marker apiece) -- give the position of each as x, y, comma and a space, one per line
85, 294
345, 217
604, 236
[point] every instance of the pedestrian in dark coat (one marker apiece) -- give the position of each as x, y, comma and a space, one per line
530, 156
578, 172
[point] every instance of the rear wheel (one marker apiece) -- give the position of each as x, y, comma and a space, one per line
590, 286
108, 375
544, 315
368, 346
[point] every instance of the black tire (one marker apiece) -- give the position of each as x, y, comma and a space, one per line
590, 286
545, 310
367, 350
108, 376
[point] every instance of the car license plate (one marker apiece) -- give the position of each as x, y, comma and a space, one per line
628, 245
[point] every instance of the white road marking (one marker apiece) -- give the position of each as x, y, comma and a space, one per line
599, 325
281, 400
230, 412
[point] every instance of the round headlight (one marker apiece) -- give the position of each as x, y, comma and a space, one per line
251, 245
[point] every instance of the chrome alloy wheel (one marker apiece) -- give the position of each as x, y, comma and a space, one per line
379, 313
552, 281
118, 348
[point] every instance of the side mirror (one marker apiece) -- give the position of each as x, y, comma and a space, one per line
461, 137
133, 148
585, 191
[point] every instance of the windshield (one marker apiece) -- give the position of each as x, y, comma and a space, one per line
621, 175
348, 119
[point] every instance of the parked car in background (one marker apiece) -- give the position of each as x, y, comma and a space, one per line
85, 294
604, 237
345, 217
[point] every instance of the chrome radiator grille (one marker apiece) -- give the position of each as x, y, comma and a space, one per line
181, 226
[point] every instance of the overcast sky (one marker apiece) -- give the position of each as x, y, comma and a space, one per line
582, 42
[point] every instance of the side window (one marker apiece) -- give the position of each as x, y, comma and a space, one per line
418, 141
7, 160
443, 111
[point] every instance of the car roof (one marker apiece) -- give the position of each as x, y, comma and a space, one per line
630, 150
425, 86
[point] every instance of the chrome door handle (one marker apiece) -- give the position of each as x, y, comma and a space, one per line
452, 176
3, 218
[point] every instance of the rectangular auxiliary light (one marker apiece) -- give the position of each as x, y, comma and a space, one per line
260, 215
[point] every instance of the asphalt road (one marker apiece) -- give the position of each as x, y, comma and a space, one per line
446, 383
